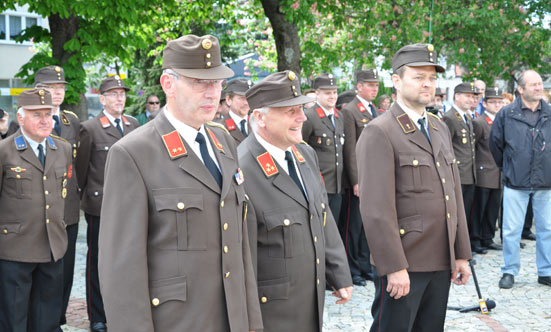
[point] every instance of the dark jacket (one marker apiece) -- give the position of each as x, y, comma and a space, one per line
520, 150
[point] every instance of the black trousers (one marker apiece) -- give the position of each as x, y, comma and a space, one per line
353, 236
30, 296
94, 301
487, 203
527, 228
468, 198
68, 268
422, 310
335, 202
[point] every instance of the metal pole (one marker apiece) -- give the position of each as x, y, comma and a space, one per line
430, 21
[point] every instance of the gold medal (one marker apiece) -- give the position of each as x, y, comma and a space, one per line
64, 193
328, 142
464, 140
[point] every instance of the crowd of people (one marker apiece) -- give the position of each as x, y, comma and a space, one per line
246, 202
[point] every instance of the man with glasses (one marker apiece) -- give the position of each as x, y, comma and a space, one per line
487, 197
174, 251
97, 135
152, 108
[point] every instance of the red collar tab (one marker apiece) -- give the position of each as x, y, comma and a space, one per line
267, 164
320, 112
174, 145
125, 120
230, 124
361, 107
104, 122
489, 121
298, 155
215, 141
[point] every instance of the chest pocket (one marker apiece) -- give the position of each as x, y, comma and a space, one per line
182, 209
17, 184
103, 146
416, 173
285, 234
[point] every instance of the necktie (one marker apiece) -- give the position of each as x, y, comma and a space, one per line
243, 129
330, 116
207, 160
421, 122
41, 155
293, 172
466, 119
57, 126
118, 126
373, 112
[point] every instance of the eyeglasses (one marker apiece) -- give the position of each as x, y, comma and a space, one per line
153, 102
203, 85
115, 95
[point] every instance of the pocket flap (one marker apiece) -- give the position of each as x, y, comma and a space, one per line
17, 173
60, 172
103, 146
178, 199
282, 218
9, 228
411, 224
276, 289
415, 161
171, 289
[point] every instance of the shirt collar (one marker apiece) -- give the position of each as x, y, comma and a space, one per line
236, 118
33, 143
327, 112
365, 102
491, 116
460, 111
414, 116
524, 107
188, 133
111, 118
277, 153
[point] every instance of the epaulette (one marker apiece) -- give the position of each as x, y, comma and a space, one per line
431, 124
64, 118
304, 142
267, 164
214, 124
72, 113
59, 138
174, 144
215, 141
405, 123
52, 143
130, 116
298, 155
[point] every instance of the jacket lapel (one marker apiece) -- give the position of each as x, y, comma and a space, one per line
409, 128
26, 151
225, 161
108, 126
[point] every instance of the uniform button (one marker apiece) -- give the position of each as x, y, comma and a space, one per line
46, 192
155, 302
437, 164
225, 226
447, 197
264, 299
246, 197
180, 205
44, 178
226, 249
337, 163
96, 193
311, 216
317, 260
106, 148
336, 154
5, 231
449, 215
415, 162
18, 176
323, 205
318, 281
443, 180
402, 231
222, 204
47, 206
47, 221
458, 162
454, 160
315, 239
286, 222
227, 275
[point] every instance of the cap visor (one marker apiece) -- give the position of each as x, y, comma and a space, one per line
51, 82
37, 107
214, 73
300, 100
438, 68
327, 87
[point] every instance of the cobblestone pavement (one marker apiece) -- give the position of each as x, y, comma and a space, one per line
525, 308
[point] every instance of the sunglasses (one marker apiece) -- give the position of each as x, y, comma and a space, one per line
153, 102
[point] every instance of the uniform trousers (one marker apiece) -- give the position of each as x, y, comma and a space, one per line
68, 268
353, 236
30, 296
94, 301
468, 198
335, 202
422, 310
486, 207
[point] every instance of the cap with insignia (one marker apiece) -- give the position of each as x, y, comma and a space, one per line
416, 55
238, 86
467, 87
196, 57
50, 75
35, 99
325, 81
440, 92
112, 82
277, 90
345, 97
494, 92
368, 75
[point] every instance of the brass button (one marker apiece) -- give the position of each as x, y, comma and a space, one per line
443, 180
47, 206
46, 192
447, 197
454, 160
47, 221
208, 55
208, 63
226, 226
315, 239
18, 176
415, 162
437, 164
246, 197
311, 216
44, 178
226, 249
449, 215
402, 231
5, 231
155, 302
317, 260
264, 299
227, 275
286, 222
458, 162
222, 204
323, 205
180, 206
318, 281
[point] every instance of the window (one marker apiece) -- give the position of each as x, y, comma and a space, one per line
11, 26
2, 26
30, 21
15, 27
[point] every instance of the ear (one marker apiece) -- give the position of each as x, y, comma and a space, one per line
397, 82
102, 99
20, 119
168, 83
228, 100
259, 118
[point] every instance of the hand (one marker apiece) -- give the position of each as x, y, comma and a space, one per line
356, 189
398, 284
4, 123
344, 294
462, 272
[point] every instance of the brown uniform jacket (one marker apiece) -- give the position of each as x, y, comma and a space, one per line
488, 174
295, 243
410, 196
234, 128
32, 200
327, 141
463, 140
356, 117
97, 135
173, 247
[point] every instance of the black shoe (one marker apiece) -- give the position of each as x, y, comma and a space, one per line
531, 237
98, 327
480, 250
493, 246
358, 281
544, 281
368, 276
507, 281
522, 245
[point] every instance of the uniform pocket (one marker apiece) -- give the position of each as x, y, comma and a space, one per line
285, 236
17, 182
171, 289
274, 289
416, 172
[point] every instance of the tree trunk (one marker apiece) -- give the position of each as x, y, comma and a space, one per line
62, 30
285, 35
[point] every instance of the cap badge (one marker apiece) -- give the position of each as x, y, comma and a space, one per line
430, 47
206, 44
41, 92
57, 69
497, 90
117, 77
249, 83
472, 86
292, 76
330, 75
